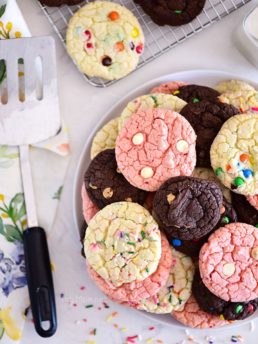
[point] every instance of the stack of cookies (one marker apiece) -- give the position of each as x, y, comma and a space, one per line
170, 199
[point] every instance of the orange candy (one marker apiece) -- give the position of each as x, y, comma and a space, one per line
244, 157
113, 15
228, 167
119, 46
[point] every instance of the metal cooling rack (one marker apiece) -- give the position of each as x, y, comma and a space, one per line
158, 39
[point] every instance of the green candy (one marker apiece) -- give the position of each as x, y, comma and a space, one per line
239, 309
226, 219
178, 11
239, 181
196, 100
219, 171
256, 225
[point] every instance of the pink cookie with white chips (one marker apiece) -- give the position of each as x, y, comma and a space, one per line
155, 145
89, 209
168, 87
134, 291
228, 262
191, 315
253, 200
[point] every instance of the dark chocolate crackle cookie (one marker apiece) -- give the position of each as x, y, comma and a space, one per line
196, 93
57, 3
105, 184
172, 12
207, 117
212, 304
188, 208
193, 247
245, 211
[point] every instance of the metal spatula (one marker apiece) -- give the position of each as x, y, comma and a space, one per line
24, 120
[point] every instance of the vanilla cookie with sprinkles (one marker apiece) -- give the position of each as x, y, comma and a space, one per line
123, 243
105, 40
105, 183
233, 154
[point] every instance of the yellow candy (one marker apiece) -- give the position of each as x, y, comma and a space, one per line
135, 33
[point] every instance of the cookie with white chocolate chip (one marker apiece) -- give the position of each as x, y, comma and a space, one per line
105, 184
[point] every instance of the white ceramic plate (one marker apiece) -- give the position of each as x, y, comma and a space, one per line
201, 77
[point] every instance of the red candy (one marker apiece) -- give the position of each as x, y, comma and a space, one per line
250, 308
87, 33
139, 48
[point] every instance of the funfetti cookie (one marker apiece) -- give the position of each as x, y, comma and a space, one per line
89, 209
191, 315
245, 211
154, 145
168, 87
105, 40
234, 155
253, 200
193, 247
105, 183
188, 208
208, 174
212, 304
240, 94
172, 12
207, 117
151, 101
229, 263
234, 86
105, 138
137, 290
122, 243
196, 93
177, 289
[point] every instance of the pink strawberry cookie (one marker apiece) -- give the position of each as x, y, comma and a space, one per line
191, 315
88, 208
253, 200
155, 145
168, 87
130, 292
229, 262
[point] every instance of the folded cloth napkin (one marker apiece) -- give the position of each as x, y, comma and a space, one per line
48, 168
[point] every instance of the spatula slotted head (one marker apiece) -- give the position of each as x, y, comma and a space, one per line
29, 112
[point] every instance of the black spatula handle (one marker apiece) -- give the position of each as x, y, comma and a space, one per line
40, 282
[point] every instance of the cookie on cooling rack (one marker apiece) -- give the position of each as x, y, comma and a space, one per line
172, 12
105, 40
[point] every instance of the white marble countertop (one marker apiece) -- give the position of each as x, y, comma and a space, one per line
82, 106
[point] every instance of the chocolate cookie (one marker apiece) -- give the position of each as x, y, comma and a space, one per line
172, 12
212, 304
196, 93
207, 117
105, 184
188, 208
245, 211
82, 236
57, 3
192, 247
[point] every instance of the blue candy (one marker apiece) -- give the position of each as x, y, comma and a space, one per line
176, 242
248, 173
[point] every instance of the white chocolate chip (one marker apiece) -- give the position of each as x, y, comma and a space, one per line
107, 193
182, 146
170, 198
254, 253
229, 269
138, 139
128, 199
93, 186
147, 172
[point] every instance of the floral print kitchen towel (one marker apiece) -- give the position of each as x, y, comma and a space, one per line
48, 167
